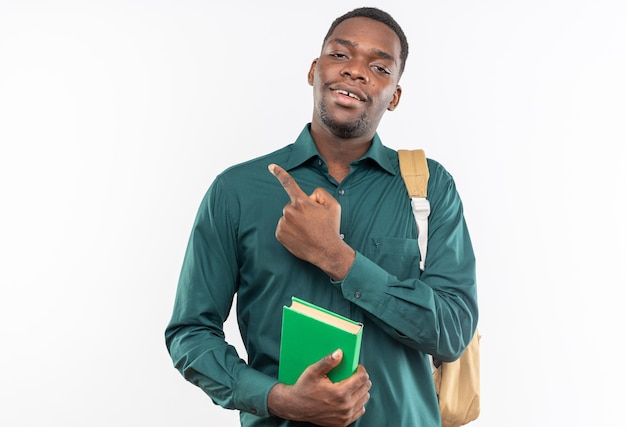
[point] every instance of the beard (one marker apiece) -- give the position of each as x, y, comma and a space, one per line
351, 129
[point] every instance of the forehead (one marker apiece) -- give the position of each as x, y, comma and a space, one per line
369, 34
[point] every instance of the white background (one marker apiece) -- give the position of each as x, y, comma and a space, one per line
116, 116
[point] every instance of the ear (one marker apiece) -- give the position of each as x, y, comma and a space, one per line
395, 100
312, 71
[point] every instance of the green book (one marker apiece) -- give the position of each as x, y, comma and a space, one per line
309, 333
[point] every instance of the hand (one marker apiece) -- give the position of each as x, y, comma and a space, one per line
309, 227
316, 399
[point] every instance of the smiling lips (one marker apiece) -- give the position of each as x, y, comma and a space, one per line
350, 94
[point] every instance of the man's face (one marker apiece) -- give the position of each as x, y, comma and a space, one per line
355, 79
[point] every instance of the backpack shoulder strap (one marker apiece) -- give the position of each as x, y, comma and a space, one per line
414, 171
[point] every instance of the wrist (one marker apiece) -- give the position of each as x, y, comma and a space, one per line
277, 401
339, 262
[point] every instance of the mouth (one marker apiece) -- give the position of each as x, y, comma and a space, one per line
353, 95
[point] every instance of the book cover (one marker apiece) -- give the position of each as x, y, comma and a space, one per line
309, 333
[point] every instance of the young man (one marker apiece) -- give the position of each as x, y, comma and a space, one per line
330, 223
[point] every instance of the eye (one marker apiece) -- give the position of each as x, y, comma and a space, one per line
338, 55
381, 69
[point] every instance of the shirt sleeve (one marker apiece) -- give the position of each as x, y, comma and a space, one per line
194, 336
437, 311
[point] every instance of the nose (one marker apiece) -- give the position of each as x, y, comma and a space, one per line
356, 70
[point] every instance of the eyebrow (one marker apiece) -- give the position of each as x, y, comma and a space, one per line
380, 53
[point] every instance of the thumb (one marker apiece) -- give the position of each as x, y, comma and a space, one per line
325, 365
323, 197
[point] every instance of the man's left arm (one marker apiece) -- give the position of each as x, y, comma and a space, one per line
436, 312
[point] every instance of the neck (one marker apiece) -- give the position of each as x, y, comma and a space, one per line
337, 151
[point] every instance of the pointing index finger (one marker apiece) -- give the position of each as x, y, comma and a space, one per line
289, 184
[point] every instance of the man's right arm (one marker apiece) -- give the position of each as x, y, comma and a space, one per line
195, 336
197, 345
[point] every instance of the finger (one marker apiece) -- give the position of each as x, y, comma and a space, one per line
325, 365
321, 196
289, 184
365, 386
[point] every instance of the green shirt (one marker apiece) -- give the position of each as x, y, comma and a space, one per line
407, 314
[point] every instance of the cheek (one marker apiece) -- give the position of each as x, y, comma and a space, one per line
385, 98
390, 94
323, 75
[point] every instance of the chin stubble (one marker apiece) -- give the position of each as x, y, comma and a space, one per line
352, 129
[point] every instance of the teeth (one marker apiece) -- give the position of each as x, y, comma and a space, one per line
351, 95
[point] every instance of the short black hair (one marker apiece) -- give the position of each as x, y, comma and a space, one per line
380, 16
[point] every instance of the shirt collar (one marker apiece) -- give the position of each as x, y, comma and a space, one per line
304, 149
